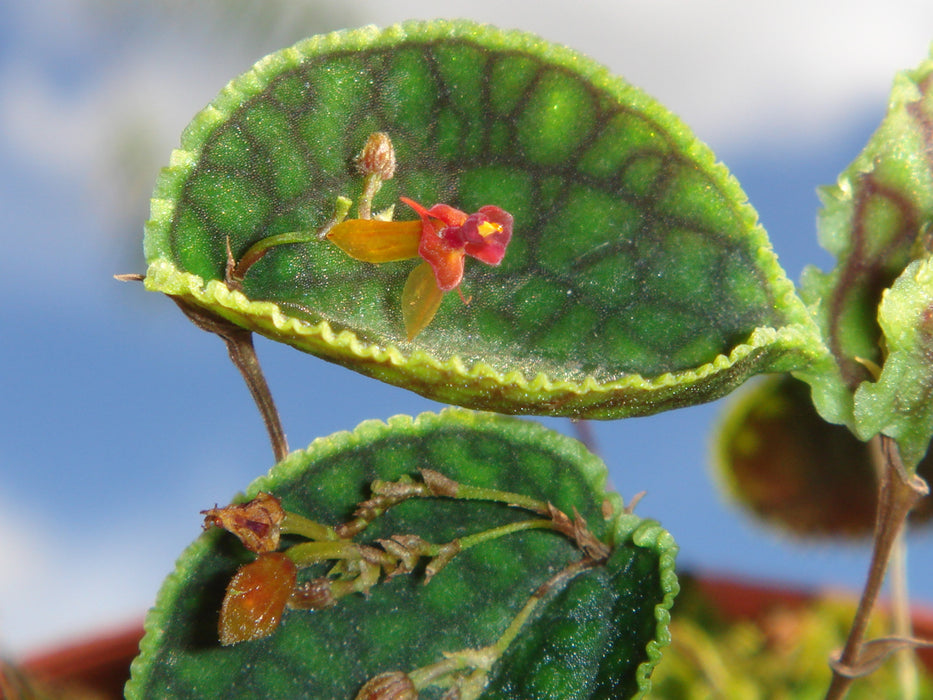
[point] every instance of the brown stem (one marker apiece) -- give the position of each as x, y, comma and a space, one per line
239, 343
898, 492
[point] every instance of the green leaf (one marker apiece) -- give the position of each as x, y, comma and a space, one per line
637, 278
899, 404
601, 632
875, 220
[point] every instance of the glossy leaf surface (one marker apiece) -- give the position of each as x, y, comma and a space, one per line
601, 631
637, 278
875, 220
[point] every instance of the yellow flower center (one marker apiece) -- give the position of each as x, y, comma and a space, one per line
487, 228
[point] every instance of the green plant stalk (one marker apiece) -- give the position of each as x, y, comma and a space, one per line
294, 524
433, 550
308, 553
517, 500
256, 251
482, 660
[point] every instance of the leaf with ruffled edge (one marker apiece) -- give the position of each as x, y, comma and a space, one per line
637, 279
875, 220
597, 635
900, 403
782, 462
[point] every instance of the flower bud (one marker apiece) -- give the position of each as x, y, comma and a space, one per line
377, 156
315, 594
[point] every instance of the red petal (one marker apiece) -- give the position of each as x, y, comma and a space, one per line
447, 215
445, 261
489, 248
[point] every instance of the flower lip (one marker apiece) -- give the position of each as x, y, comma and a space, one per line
486, 234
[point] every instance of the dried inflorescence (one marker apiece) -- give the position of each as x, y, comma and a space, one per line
257, 522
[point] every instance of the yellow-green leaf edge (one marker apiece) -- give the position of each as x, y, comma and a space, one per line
794, 347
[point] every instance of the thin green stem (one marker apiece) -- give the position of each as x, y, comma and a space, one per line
517, 500
236, 270
481, 660
371, 186
308, 553
256, 251
294, 524
432, 550
565, 574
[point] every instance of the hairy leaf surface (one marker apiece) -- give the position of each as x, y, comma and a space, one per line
637, 278
601, 631
875, 220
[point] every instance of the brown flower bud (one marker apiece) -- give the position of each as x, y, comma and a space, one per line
256, 598
377, 156
256, 523
393, 685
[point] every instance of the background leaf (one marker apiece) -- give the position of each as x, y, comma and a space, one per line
875, 220
404, 623
782, 462
637, 279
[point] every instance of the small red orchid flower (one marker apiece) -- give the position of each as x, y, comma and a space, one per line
443, 238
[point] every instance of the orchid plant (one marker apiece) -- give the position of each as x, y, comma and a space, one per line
466, 554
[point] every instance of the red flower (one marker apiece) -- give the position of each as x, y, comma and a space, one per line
444, 238
448, 235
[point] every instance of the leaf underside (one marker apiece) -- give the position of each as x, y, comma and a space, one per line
598, 636
875, 220
637, 278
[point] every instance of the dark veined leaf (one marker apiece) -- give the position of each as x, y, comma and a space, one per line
875, 220
781, 461
598, 634
637, 278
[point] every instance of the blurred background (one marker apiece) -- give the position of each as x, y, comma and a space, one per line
119, 421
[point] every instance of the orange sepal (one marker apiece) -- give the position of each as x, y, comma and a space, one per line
376, 241
256, 598
421, 299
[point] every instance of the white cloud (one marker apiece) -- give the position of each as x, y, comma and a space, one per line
736, 71
63, 576
739, 73
732, 69
59, 582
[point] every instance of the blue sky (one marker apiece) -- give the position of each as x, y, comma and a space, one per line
120, 421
